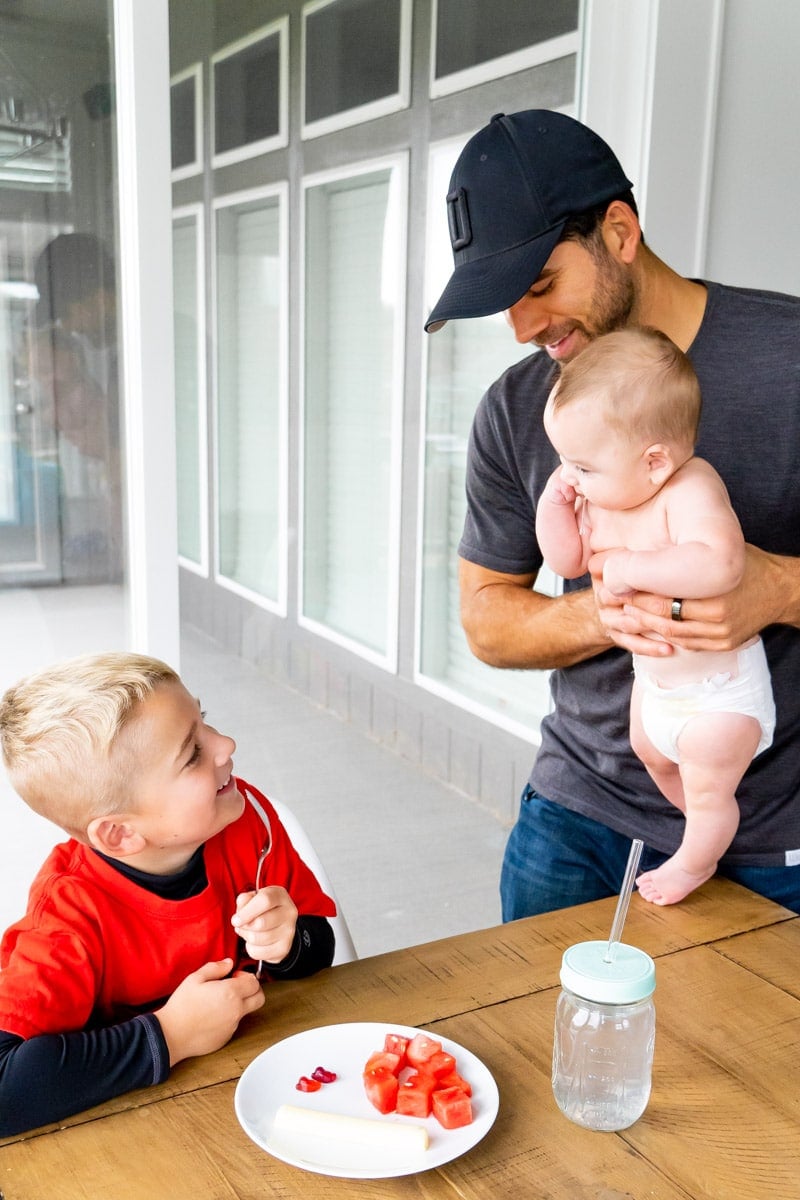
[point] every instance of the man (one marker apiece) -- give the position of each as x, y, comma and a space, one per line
544, 227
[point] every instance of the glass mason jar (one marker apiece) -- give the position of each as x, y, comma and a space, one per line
604, 1035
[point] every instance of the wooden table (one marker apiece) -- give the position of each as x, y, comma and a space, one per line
723, 1120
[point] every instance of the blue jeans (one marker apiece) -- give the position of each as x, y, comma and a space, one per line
555, 858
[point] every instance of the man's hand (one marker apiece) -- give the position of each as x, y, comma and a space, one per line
767, 593
204, 1011
267, 920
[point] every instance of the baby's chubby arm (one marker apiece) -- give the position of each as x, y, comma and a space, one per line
204, 1011
564, 546
706, 556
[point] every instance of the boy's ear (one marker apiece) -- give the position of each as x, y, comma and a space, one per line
660, 463
114, 836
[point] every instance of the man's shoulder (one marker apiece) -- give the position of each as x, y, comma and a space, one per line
729, 303
749, 295
745, 332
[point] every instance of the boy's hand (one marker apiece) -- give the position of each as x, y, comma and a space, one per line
267, 920
204, 1011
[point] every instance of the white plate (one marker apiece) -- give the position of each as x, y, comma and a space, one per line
270, 1080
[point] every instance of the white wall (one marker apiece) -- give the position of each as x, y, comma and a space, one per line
753, 229
700, 100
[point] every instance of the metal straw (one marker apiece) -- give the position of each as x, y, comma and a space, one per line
624, 899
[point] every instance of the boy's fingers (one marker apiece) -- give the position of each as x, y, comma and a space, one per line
214, 970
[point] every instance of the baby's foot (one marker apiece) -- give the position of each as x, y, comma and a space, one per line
670, 883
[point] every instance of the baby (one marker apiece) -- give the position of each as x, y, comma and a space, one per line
623, 419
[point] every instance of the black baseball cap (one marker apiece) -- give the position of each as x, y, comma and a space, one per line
515, 184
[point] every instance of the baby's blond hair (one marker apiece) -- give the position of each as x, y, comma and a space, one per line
647, 386
59, 728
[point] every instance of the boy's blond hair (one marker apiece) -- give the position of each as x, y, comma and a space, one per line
647, 386
59, 729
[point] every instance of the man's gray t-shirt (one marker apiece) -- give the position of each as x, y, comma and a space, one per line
747, 357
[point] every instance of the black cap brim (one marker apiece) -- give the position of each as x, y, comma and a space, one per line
493, 283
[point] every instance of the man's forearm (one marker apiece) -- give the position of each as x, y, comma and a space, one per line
780, 588
511, 626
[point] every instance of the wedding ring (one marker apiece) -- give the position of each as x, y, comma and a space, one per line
677, 610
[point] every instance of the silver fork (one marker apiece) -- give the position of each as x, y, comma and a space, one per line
262, 858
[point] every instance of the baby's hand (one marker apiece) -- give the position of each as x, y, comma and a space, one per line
267, 920
558, 491
203, 1012
614, 577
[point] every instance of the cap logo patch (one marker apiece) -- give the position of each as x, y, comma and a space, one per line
458, 219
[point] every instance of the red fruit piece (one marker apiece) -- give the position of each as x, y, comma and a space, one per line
451, 1107
304, 1084
396, 1043
454, 1080
440, 1063
414, 1095
323, 1076
382, 1058
421, 1048
380, 1085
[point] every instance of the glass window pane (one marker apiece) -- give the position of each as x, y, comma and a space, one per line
352, 55
247, 93
469, 32
250, 400
188, 388
463, 359
183, 121
354, 286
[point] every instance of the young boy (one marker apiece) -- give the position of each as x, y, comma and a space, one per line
133, 950
623, 419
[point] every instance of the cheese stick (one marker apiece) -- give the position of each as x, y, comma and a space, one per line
391, 1136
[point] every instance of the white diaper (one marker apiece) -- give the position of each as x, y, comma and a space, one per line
665, 711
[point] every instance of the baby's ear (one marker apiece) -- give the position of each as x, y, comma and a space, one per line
114, 836
660, 463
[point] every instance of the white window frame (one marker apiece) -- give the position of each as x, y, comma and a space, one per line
141, 52
435, 686
505, 64
281, 191
197, 212
196, 166
281, 138
363, 112
388, 661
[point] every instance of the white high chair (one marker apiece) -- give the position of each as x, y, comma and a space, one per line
345, 950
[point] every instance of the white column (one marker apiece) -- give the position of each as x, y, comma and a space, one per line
649, 85
141, 35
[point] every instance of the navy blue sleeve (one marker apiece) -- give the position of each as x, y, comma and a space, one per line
50, 1077
313, 949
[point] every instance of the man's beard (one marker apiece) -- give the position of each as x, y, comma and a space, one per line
614, 296
613, 301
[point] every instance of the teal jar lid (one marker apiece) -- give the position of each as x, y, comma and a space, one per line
631, 976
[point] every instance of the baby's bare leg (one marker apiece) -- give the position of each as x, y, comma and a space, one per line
663, 771
716, 750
